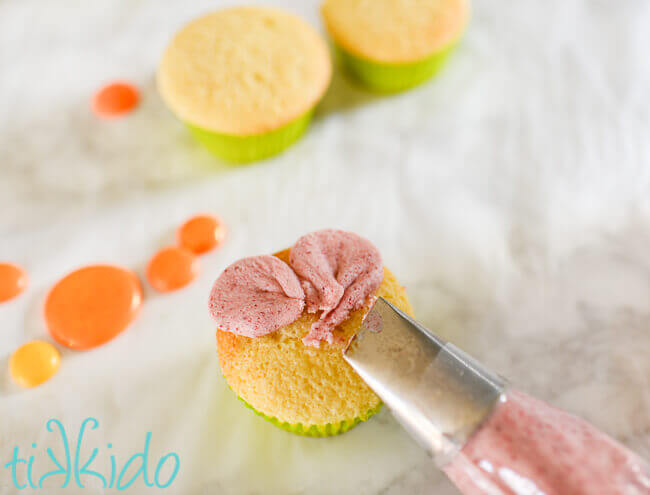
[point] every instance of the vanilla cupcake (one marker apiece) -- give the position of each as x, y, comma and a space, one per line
245, 80
283, 321
390, 45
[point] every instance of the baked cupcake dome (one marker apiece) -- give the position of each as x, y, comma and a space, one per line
245, 79
395, 44
305, 390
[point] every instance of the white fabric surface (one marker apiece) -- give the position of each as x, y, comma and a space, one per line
510, 195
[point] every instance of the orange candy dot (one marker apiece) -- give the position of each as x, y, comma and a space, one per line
34, 363
13, 280
172, 268
92, 305
201, 233
115, 99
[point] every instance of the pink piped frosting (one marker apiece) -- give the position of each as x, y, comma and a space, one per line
255, 296
330, 271
338, 271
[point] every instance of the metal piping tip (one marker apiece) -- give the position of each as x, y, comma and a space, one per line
438, 393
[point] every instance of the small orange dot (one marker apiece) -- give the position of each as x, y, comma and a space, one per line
172, 268
92, 305
13, 280
34, 363
201, 233
115, 99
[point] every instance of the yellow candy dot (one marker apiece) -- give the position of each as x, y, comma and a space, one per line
34, 363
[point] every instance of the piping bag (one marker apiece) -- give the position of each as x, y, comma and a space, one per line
486, 436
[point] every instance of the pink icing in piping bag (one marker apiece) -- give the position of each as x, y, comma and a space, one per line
488, 439
529, 447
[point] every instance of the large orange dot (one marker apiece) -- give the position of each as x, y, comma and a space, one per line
172, 268
201, 233
13, 280
34, 363
90, 306
115, 99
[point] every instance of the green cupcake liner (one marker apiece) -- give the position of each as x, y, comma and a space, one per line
327, 430
242, 149
388, 78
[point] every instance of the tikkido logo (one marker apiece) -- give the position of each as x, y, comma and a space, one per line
72, 470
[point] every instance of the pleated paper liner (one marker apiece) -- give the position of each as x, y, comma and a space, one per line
243, 149
389, 78
326, 430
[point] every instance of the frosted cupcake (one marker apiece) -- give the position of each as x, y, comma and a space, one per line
245, 80
390, 45
283, 321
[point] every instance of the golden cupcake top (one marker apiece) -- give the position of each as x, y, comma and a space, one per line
244, 71
283, 378
395, 31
